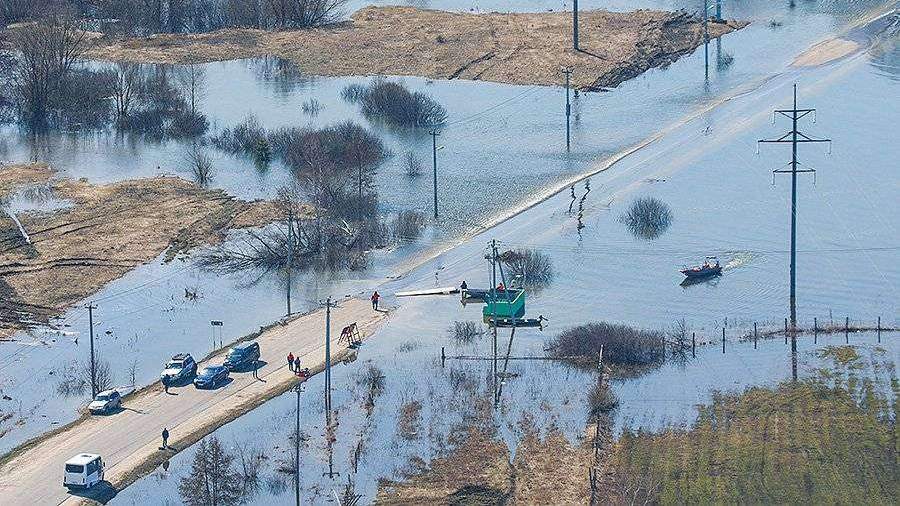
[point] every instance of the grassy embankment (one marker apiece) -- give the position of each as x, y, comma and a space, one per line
828, 439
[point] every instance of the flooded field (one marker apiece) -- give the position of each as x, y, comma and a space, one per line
500, 139
602, 272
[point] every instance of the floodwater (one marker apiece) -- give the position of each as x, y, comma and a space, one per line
723, 202
501, 140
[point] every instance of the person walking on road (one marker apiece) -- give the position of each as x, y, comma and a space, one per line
291, 361
166, 386
375, 297
165, 437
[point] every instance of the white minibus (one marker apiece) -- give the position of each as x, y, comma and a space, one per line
83, 471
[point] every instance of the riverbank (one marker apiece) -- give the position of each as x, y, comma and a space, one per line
129, 439
94, 234
513, 48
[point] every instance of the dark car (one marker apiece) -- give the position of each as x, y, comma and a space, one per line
211, 376
242, 355
180, 368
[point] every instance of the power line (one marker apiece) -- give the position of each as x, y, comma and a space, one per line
794, 137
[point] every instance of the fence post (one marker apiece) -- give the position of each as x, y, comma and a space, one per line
754, 335
723, 340
847, 330
443, 357
815, 330
879, 329
785, 331
694, 345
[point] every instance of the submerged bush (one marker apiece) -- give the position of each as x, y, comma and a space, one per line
241, 139
412, 165
622, 345
601, 400
533, 268
201, 166
647, 217
395, 105
408, 226
466, 332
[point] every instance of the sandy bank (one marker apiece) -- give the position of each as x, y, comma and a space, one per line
106, 231
514, 48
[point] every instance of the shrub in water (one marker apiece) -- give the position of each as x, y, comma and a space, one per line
622, 345
395, 105
533, 268
601, 400
408, 226
647, 217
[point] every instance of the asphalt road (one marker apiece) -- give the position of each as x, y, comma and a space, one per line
131, 437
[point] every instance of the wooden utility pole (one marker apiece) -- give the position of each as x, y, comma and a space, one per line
328, 305
706, 39
298, 389
91, 307
575, 25
494, 311
434, 134
568, 72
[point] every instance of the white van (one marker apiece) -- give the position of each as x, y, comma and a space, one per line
83, 471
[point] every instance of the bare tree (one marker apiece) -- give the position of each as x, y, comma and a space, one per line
251, 459
201, 165
125, 88
303, 13
46, 53
412, 164
132, 372
212, 480
192, 78
75, 378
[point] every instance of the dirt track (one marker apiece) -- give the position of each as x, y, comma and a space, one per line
129, 440
515, 48
107, 231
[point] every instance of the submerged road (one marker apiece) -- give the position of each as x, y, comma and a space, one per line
129, 440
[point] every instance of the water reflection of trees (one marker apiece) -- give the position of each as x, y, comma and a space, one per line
281, 75
46, 85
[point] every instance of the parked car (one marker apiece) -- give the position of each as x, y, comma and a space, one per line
180, 368
105, 402
83, 471
211, 376
242, 355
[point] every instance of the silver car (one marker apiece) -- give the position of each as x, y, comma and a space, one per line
106, 402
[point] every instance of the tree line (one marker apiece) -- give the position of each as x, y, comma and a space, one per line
144, 17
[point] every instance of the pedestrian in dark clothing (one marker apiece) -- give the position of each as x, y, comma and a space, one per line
166, 386
375, 297
463, 286
165, 436
291, 362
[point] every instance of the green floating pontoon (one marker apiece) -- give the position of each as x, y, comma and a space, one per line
508, 304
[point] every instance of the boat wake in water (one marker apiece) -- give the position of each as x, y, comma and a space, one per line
738, 259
